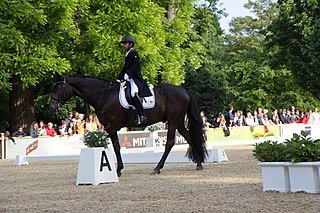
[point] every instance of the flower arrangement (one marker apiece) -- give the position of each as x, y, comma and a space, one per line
300, 148
96, 139
258, 134
153, 128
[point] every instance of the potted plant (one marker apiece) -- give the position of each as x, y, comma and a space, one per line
96, 139
304, 153
296, 158
96, 164
275, 174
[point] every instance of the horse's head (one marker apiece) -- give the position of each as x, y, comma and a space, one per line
61, 93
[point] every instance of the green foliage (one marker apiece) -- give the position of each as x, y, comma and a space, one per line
208, 83
269, 151
31, 33
300, 148
96, 139
153, 128
293, 37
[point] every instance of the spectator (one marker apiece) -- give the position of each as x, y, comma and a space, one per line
19, 133
249, 119
34, 130
80, 124
217, 120
223, 122
7, 134
71, 129
50, 130
241, 119
255, 117
260, 116
63, 129
42, 129
90, 124
315, 117
283, 116
304, 119
69, 119
229, 117
290, 118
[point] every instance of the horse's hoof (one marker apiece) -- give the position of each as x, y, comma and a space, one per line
155, 172
119, 173
199, 168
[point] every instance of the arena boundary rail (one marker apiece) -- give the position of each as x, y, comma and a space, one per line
145, 141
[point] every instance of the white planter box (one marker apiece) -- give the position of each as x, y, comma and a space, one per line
96, 165
275, 176
304, 176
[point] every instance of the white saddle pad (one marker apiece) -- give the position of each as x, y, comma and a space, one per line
147, 102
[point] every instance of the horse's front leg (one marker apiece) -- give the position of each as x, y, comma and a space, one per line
169, 145
116, 147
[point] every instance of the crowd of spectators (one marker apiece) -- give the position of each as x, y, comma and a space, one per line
74, 123
236, 118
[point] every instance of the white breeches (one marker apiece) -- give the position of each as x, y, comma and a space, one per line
134, 87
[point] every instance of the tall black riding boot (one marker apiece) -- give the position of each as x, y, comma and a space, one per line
141, 116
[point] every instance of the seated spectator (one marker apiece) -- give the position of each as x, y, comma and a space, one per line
7, 134
90, 124
80, 124
304, 119
216, 121
63, 129
249, 119
42, 129
34, 130
19, 133
50, 130
69, 119
71, 129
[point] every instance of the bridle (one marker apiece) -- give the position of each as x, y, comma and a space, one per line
60, 100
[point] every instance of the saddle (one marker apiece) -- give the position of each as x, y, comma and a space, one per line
125, 97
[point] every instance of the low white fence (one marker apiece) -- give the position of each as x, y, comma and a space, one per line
131, 142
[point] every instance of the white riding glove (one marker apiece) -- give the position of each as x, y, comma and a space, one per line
125, 77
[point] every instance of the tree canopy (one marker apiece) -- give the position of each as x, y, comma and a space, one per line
266, 60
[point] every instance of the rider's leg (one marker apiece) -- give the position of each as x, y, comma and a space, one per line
137, 102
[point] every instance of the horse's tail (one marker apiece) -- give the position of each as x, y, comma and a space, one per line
195, 124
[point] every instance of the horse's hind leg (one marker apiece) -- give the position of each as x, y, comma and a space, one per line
170, 142
184, 132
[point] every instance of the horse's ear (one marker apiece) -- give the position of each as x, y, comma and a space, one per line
57, 76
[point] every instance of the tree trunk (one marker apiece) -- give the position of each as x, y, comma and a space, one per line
172, 10
21, 105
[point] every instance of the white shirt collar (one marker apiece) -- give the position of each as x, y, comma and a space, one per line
129, 51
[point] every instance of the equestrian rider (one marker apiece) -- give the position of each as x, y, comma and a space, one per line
132, 71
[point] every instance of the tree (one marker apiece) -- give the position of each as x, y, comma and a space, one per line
31, 33
294, 37
207, 83
39, 38
253, 80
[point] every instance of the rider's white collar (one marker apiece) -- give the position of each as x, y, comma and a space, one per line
129, 51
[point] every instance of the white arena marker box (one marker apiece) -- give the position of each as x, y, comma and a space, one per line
96, 165
219, 155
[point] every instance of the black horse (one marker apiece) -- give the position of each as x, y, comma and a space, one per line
172, 104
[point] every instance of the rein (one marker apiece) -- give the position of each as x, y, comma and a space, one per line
104, 96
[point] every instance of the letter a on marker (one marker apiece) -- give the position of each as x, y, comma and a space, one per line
102, 164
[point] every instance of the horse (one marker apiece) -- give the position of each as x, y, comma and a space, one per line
172, 104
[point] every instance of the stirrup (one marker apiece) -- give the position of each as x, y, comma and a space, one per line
141, 120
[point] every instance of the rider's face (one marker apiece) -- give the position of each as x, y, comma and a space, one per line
126, 46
